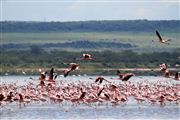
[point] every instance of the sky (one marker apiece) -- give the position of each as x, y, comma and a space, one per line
76, 10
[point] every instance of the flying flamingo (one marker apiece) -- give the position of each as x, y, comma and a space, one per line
164, 41
87, 57
51, 75
163, 67
72, 67
100, 79
43, 76
103, 96
125, 76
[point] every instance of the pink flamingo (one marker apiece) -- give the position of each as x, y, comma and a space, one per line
163, 67
125, 76
87, 57
176, 76
73, 66
164, 41
167, 74
51, 75
101, 79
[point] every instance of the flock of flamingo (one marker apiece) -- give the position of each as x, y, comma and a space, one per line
50, 90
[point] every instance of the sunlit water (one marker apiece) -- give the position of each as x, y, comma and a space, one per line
130, 110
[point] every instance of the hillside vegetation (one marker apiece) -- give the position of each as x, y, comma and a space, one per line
113, 44
36, 58
99, 35
92, 26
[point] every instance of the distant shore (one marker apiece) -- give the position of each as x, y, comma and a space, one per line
100, 71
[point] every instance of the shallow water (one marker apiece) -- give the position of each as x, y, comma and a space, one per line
59, 111
130, 110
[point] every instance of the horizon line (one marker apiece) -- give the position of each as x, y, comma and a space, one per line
95, 1
88, 20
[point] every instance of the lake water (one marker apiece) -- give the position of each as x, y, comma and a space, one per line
24, 79
131, 110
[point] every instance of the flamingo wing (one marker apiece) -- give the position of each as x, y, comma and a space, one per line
43, 76
96, 80
101, 80
127, 77
55, 77
159, 36
51, 73
66, 72
100, 92
168, 40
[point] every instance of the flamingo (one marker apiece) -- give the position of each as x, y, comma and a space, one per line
21, 98
167, 74
100, 79
161, 100
1, 97
82, 95
176, 76
164, 41
72, 67
9, 97
87, 57
163, 67
103, 96
56, 99
42, 83
51, 75
43, 76
59, 99
90, 93
113, 87
99, 93
125, 76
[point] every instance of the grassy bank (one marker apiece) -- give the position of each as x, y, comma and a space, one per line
141, 40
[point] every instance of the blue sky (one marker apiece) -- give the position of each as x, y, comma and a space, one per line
74, 10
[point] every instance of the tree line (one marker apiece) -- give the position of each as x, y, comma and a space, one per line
73, 44
92, 26
105, 59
